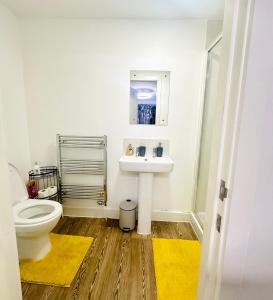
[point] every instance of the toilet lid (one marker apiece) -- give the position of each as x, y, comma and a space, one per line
17, 185
34, 211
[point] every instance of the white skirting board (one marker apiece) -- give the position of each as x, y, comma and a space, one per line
105, 212
196, 227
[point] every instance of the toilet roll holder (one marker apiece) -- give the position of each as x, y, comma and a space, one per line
46, 179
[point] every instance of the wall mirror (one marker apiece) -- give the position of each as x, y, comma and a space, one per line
149, 97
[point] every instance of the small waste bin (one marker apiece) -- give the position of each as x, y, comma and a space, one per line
127, 215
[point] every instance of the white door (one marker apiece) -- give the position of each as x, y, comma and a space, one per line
238, 14
9, 263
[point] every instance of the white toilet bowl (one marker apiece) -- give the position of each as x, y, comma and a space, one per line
33, 219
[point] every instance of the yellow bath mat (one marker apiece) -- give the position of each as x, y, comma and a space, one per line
61, 264
177, 264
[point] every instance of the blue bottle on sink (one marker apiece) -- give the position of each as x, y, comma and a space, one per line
159, 150
141, 150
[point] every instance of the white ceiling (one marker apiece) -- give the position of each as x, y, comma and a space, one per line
141, 9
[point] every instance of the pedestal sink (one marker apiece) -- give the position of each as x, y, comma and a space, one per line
145, 167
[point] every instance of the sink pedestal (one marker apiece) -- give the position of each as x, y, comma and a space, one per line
146, 168
145, 195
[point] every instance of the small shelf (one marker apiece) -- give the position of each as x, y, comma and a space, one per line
48, 176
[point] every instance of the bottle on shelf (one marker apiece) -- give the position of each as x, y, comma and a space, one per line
36, 168
159, 150
130, 150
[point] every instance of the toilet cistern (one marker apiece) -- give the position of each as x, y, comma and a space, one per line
145, 167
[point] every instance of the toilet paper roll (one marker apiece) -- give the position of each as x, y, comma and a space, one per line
43, 193
52, 190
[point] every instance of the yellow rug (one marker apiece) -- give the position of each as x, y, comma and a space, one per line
61, 264
177, 264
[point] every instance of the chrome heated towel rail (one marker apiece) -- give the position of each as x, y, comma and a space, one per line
82, 163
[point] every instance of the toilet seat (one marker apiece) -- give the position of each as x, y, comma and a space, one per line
35, 211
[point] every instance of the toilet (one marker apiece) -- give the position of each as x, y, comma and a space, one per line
33, 219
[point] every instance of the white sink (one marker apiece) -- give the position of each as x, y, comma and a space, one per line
146, 164
146, 167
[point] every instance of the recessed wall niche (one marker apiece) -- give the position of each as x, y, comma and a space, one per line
149, 97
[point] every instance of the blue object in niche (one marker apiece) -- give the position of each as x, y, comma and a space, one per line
142, 150
159, 151
146, 113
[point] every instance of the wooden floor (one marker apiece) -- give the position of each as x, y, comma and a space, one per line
118, 265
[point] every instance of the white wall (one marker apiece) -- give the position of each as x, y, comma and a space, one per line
10, 91
248, 256
77, 82
12, 87
214, 29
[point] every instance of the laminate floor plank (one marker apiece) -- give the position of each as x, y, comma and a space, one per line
185, 231
86, 280
118, 265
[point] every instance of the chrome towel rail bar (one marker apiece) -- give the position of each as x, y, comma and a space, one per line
73, 165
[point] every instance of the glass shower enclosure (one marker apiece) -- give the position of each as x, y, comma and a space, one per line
210, 110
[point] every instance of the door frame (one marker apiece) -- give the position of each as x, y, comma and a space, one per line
236, 32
